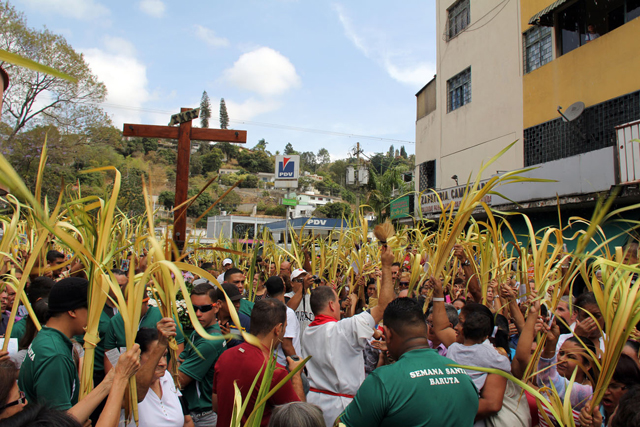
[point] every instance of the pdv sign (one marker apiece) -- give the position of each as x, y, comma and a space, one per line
287, 167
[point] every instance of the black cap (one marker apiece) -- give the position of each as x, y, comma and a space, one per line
231, 290
68, 294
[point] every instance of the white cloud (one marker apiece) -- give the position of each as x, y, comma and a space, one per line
250, 108
124, 75
154, 8
263, 71
78, 9
399, 65
209, 36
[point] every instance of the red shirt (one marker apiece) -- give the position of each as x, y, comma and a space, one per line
241, 364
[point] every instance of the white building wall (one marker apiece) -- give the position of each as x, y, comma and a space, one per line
462, 139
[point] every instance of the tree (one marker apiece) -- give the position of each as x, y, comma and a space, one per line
403, 152
308, 161
195, 165
34, 97
333, 210
230, 150
288, 149
323, 157
261, 145
224, 117
167, 199
205, 110
211, 161
391, 152
131, 199
250, 181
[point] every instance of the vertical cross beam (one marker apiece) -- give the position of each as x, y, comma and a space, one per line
182, 182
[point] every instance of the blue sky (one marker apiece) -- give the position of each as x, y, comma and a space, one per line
350, 68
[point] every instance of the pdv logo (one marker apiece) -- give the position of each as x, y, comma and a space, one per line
286, 168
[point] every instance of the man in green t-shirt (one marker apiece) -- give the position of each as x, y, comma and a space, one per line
196, 370
48, 374
237, 278
115, 337
421, 388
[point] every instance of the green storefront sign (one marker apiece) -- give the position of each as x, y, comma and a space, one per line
402, 207
289, 202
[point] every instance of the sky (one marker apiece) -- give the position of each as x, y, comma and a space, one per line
350, 70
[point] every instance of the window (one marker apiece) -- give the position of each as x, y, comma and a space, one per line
458, 18
587, 20
537, 48
459, 89
427, 175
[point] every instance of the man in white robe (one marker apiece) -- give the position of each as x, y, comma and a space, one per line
336, 369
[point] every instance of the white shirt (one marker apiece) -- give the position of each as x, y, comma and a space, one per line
292, 331
304, 313
337, 364
221, 279
154, 411
562, 338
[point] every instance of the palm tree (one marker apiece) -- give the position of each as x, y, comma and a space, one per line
381, 189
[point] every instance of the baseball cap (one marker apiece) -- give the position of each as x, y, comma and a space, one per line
201, 281
226, 261
297, 273
68, 294
231, 290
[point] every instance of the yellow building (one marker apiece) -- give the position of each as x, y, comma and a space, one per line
583, 51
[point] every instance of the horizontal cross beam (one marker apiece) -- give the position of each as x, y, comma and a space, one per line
197, 134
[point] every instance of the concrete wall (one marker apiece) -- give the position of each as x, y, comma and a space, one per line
462, 139
586, 173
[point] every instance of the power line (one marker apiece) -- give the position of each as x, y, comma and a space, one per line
262, 124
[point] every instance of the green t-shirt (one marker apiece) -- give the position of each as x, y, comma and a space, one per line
200, 369
115, 337
48, 374
246, 306
103, 327
19, 328
418, 390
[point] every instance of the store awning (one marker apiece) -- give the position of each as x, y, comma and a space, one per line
545, 16
309, 224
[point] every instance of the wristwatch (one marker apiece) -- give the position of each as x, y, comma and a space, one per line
466, 263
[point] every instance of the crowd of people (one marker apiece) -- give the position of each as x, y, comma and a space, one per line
379, 353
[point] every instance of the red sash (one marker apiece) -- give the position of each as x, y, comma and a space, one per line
321, 319
330, 393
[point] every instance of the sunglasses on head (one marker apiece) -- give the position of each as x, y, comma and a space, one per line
203, 308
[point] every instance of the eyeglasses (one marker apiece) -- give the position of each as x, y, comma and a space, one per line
203, 308
21, 401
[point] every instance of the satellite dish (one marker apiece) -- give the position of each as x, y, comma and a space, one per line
573, 112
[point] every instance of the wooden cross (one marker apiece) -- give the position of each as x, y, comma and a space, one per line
184, 134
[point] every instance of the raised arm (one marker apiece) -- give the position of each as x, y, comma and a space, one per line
386, 286
441, 325
508, 294
523, 350
128, 364
144, 377
473, 284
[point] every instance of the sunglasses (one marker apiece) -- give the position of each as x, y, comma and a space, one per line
22, 400
203, 308
404, 284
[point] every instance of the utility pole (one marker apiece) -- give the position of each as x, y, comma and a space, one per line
358, 180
